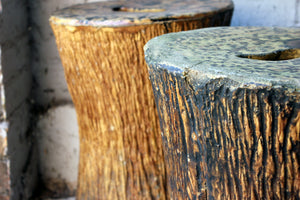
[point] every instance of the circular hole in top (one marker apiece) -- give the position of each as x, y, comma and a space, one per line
287, 54
127, 9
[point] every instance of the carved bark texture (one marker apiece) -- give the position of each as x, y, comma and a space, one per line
121, 153
223, 144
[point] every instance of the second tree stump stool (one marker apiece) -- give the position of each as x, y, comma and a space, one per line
228, 100
101, 48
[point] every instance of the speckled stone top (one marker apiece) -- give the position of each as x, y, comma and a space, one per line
225, 52
135, 12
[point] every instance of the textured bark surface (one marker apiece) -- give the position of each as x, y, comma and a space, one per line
224, 139
241, 144
121, 153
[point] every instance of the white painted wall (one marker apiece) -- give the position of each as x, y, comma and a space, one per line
58, 150
283, 13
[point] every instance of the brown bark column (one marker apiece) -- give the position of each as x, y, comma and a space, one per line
101, 47
228, 100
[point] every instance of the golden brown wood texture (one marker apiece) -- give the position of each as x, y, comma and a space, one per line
121, 153
224, 136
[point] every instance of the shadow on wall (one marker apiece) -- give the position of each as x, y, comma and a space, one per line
15, 67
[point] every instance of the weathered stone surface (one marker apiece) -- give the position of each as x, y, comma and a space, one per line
229, 107
101, 47
134, 12
216, 53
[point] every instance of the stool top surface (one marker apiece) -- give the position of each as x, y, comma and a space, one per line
225, 52
136, 12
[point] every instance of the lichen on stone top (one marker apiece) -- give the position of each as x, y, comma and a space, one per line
134, 12
249, 56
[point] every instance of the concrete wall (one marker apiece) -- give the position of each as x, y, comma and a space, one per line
266, 13
58, 144
15, 61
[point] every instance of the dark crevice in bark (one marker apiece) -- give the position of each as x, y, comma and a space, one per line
262, 128
274, 129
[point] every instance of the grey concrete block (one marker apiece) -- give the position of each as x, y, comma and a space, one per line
15, 58
266, 13
22, 155
14, 19
17, 91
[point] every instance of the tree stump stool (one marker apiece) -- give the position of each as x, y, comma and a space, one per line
228, 100
101, 48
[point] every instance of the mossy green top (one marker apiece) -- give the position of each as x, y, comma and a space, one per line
247, 56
